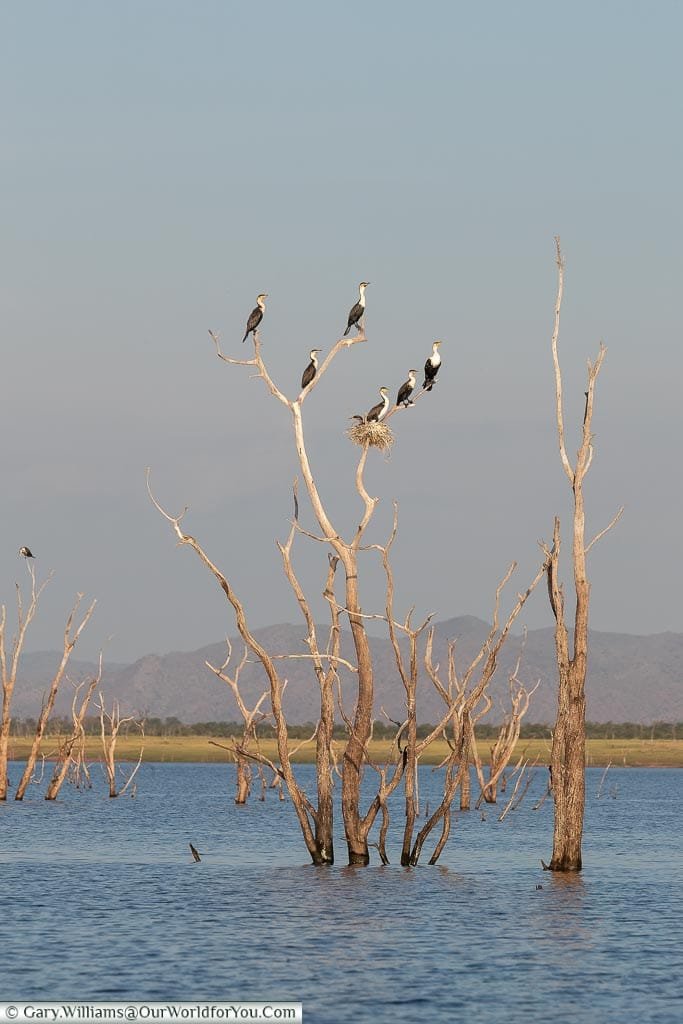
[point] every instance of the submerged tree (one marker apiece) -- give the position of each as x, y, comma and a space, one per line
9, 668
70, 640
251, 719
71, 756
315, 815
110, 724
568, 757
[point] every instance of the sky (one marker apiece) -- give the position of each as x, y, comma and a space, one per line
162, 163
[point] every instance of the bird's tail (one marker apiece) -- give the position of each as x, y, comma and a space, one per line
245, 337
427, 386
347, 330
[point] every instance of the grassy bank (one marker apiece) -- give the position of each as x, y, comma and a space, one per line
630, 753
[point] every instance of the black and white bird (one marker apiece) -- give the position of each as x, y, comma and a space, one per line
357, 311
379, 411
406, 389
432, 367
26, 553
256, 315
311, 369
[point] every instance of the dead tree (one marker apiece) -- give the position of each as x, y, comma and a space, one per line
463, 706
110, 724
9, 663
66, 758
316, 822
70, 640
316, 829
506, 741
251, 720
344, 558
569, 738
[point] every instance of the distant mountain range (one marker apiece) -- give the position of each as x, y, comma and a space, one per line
630, 678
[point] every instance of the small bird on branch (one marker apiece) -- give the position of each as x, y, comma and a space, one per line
256, 315
26, 553
357, 311
406, 390
432, 367
311, 369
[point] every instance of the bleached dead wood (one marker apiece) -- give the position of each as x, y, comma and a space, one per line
569, 736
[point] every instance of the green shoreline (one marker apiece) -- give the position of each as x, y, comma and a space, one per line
631, 753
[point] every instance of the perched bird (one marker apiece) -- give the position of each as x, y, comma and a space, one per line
311, 369
406, 390
432, 367
379, 411
195, 853
26, 552
358, 310
256, 315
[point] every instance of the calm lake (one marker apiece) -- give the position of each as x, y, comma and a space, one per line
100, 899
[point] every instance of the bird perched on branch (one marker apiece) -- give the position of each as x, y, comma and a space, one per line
379, 411
406, 390
256, 315
432, 367
26, 553
311, 369
357, 311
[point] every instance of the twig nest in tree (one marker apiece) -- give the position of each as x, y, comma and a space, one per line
374, 435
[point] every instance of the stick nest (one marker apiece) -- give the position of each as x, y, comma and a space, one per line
374, 435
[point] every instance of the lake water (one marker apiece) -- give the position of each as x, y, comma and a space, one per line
100, 900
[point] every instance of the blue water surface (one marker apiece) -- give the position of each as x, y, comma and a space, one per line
100, 900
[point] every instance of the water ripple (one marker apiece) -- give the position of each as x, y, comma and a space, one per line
101, 900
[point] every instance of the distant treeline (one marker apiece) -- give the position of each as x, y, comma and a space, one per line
169, 727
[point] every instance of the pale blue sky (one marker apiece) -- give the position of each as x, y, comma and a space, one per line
164, 162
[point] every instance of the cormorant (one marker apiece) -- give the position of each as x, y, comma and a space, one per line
432, 367
195, 853
256, 315
311, 369
26, 552
406, 390
379, 411
358, 310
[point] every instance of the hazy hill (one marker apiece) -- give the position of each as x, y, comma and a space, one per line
631, 678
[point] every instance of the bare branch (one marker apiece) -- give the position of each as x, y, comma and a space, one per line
558, 378
229, 359
602, 533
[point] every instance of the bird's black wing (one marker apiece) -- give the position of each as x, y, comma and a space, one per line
404, 393
255, 318
355, 314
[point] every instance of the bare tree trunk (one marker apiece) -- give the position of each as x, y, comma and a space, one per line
10, 665
568, 757
69, 644
463, 705
62, 766
109, 741
465, 783
243, 780
251, 719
